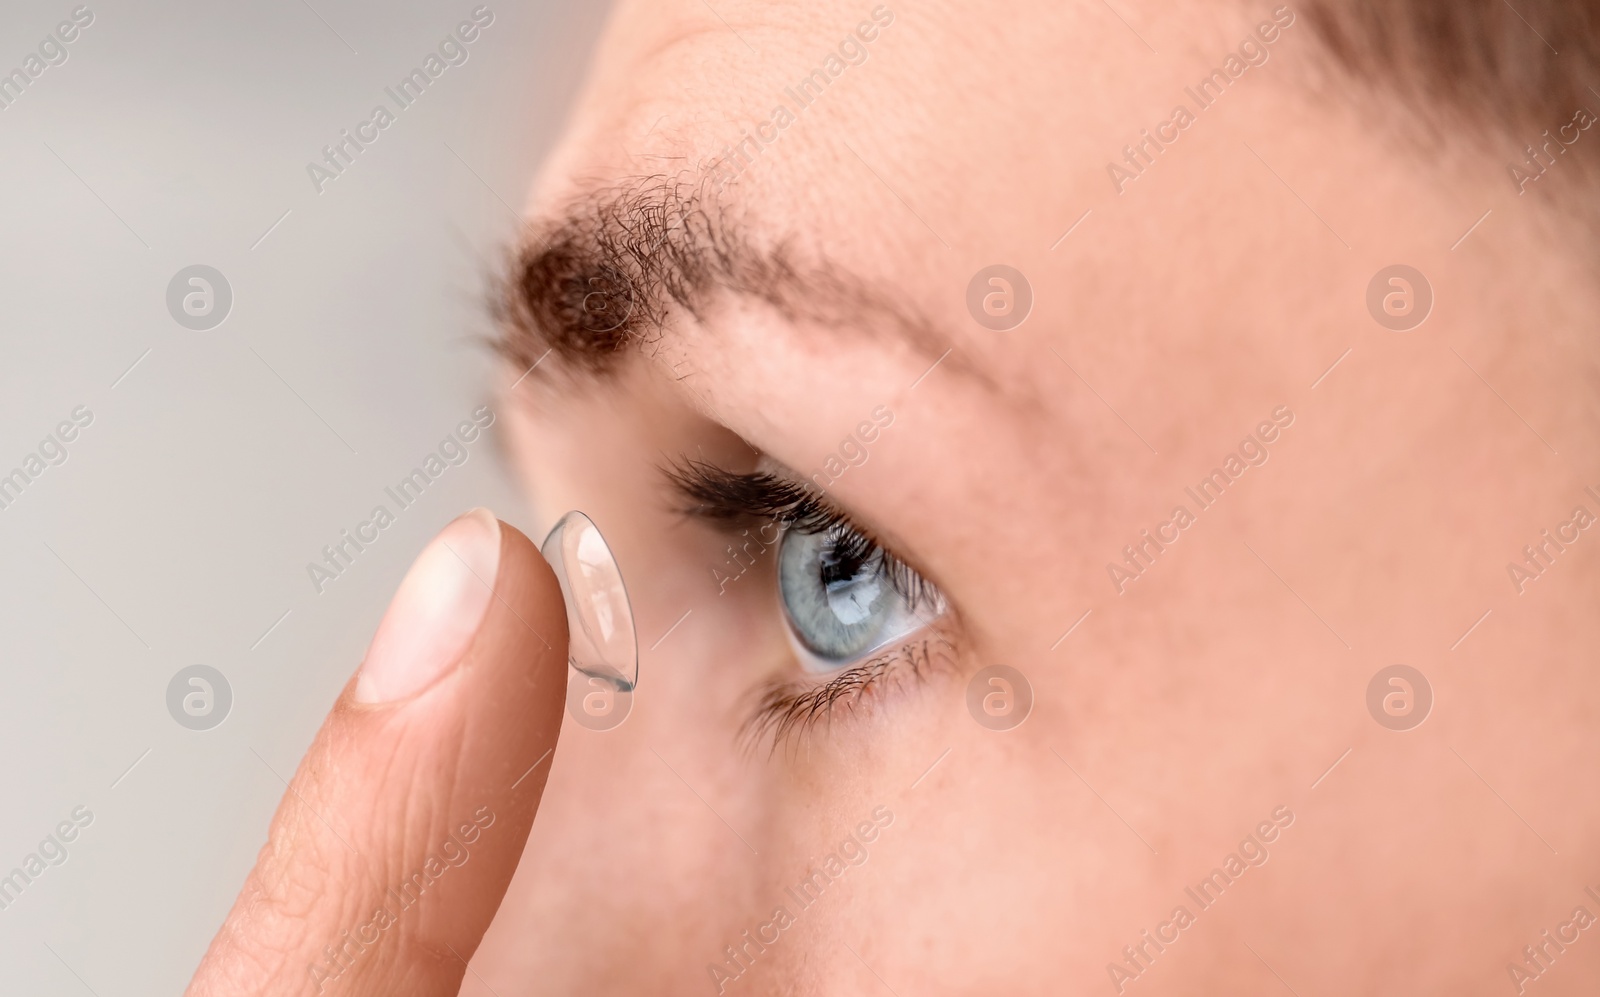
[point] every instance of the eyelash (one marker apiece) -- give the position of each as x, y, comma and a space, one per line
788, 707
734, 498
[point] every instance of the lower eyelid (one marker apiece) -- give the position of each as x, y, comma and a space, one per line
790, 707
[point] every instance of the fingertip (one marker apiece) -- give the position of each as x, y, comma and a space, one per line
436, 610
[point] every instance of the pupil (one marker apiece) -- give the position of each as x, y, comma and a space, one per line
840, 562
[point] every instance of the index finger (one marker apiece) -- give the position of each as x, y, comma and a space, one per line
397, 837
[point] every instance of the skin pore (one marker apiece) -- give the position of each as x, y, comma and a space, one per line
1220, 689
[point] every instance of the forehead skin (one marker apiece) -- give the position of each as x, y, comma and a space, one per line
1222, 283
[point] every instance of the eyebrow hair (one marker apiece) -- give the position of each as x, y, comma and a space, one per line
607, 272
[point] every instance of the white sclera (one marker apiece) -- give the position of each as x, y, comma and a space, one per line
601, 638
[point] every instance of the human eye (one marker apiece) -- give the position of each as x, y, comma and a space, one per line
856, 615
843, 596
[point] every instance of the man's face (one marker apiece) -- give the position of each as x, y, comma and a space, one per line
1197, 498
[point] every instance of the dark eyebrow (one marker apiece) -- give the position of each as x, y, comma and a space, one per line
606, 272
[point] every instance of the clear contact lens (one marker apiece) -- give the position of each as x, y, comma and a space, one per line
602, 642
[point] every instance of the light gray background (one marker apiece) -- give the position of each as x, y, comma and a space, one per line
178, 531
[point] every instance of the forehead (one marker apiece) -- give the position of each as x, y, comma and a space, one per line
696, 160
893, 146
955, 110
922, 151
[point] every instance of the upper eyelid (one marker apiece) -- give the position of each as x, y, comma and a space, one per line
716, 494
730, 497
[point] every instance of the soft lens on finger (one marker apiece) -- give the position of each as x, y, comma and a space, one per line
601, 637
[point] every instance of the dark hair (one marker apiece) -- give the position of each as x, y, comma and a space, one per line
1515, 67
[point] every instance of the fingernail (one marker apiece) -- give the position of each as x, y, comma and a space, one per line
435, 612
